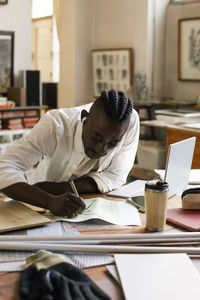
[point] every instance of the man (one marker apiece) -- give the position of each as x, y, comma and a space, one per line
94, 144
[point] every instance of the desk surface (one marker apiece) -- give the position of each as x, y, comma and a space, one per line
9, 281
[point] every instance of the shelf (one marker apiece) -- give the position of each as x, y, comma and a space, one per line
9, 114
19, 108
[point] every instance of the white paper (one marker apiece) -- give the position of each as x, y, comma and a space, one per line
112, 269
158, 276
135, 188
192, 125
115, 212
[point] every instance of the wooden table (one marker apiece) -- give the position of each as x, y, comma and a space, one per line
9, 281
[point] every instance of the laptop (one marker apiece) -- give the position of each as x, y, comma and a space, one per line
177, 171
178, 165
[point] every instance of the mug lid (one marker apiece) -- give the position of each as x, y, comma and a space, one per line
156, 185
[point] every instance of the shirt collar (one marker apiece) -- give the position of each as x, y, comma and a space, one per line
78, 143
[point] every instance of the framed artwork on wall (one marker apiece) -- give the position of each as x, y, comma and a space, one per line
6, 60
189, 49
112, 69
3, 2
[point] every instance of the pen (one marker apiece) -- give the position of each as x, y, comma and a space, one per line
74, 188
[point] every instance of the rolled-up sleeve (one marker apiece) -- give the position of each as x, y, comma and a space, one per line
23, 154
116, 173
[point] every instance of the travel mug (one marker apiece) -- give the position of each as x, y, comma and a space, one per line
156, 195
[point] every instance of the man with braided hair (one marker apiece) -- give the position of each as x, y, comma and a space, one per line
94, 144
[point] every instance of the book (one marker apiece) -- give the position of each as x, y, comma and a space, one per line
185, 218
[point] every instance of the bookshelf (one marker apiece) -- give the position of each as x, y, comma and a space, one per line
20, 117
16, 122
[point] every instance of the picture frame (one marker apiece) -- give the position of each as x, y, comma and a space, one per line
189, 49
3, 2
6, 60
112, 69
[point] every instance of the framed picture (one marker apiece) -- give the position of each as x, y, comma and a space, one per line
3, 2
112, 69
189, 49
6, 60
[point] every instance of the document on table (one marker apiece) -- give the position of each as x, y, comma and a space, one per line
115, 212
158, 276
135, 188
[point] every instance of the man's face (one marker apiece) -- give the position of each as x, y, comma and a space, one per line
101, 135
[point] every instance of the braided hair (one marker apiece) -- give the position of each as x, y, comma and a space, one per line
116, 105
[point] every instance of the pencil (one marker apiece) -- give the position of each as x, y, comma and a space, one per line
74, 188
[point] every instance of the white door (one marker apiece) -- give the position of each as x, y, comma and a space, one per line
42, 43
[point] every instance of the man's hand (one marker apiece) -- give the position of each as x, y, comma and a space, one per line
67, 204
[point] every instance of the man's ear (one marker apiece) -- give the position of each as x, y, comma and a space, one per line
84, 114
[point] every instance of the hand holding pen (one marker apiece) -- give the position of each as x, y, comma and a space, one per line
68, 204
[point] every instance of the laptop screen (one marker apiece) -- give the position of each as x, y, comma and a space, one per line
178, 165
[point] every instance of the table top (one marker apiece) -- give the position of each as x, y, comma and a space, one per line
9, 281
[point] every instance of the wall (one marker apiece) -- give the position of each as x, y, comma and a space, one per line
120, 23
179, 90
158, 11
16, 16
75, 49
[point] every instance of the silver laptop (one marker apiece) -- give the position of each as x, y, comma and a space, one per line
177, 171
178, 165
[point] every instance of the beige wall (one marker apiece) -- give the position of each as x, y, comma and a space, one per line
66, 89
179, 90
90, 24
120, 23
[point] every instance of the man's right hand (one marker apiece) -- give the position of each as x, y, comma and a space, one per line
67, 204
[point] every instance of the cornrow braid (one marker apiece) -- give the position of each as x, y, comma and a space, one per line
116, 105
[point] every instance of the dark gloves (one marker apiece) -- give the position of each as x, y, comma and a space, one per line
62, 281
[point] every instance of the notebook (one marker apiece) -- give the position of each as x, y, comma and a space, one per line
188, 219
158, 276
177, 171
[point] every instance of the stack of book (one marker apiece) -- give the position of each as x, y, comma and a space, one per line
13, 124
177, 116
30, 122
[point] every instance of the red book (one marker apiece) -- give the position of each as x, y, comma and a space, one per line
5, 105
189, 219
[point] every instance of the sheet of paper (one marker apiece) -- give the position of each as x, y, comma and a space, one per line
115, 212
193, 179
135, 188
192, 125
158, 276
112, 269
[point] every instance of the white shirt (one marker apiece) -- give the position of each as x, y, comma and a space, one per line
56, 143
